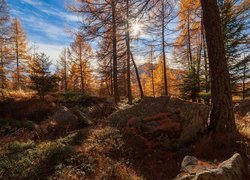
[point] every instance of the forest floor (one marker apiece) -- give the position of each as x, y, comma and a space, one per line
100, 151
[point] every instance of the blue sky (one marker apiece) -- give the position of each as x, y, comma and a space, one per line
46, 23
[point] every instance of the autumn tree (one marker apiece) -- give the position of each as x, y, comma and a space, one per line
101, 18
63, 64
79, 54
159, 18
4, 41
222, 117
19, 54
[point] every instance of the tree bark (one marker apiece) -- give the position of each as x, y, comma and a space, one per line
244, 82
81, 68
2, 69
114, 41
164, 51
222, 117
17, 57
137, 76
189, 42
152, 71
129, 93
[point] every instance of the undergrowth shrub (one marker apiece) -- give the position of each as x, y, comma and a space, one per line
22, 160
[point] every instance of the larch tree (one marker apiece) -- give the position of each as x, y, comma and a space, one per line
129, 93
101, 17
160, 16
79, 53
64, 68
19, 54
222, 117
4, 41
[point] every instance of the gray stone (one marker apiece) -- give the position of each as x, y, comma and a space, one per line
65, 118
83, 119
189, 160
230, 169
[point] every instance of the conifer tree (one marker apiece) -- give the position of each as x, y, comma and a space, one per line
80, 53
42, 79
19, 53
4, 41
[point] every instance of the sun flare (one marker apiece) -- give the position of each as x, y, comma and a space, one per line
136, 28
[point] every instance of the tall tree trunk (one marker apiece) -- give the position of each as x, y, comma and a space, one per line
205, 59
65, 77
207, 85
124, 74
189, 43
163, 49
137, 76
129, 93
152, 71
17, 57
65, 72
2, 69
198, 64
81, 68
244, 83
114, 40
111, 83
222, 117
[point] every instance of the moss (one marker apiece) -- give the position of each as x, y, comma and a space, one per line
24, 159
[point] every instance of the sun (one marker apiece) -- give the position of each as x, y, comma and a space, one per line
136, 29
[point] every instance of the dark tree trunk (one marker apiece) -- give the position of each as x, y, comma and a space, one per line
222, 117
65, 77
114, 41
81, 68
17, 58
244, 82
2, 70
137, 76
152, 71
129, 93
164, 51
189, 43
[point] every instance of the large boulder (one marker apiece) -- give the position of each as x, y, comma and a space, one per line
70, 118
194, 169
166, 121
65, 118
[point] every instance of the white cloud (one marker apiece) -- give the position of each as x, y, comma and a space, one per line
47, 9
32, 2
53, 51
50, 30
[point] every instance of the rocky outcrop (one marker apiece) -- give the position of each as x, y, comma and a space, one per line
165, 121
69, 118
83, 120
194, 169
